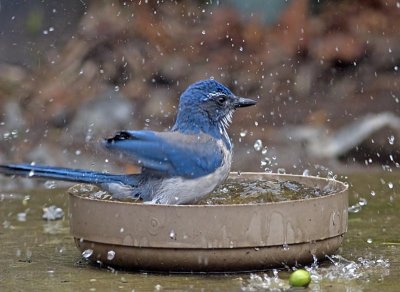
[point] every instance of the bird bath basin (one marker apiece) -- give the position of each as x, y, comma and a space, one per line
212, 238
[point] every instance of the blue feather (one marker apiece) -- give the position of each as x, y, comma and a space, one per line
67, 174
169, 153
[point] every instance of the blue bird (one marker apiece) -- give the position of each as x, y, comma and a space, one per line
179, 166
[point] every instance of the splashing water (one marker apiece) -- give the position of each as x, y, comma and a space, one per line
281, 171
258, 145
338, 268
234, 192
345, 269
87, 253
50, 184
52, 213
110, 255
264, 151
265, 283
254, 192
358, 206
21, 217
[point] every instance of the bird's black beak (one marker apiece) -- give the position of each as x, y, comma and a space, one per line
243, 102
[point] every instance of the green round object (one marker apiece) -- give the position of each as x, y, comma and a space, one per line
300, 278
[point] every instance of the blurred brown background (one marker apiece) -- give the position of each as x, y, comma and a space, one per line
74, 72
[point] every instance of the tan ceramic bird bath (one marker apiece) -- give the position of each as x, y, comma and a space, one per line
212, 238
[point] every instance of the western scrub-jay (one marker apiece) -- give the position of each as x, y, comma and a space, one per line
179, 166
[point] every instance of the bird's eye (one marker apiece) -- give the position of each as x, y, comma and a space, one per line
221, 99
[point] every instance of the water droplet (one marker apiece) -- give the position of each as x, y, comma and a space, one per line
276, 273
25, 200
50, 184
21, 217
52, 213
172, 235
390, 185
391, 140
31, 173
116, 88
45, 32
306, 172
362, 202
354, 208
331, 175
87, 253
265, 150
258, 145
110, 255
122, 229
373, 193
369, 240
51, 28
203, 32
243, 133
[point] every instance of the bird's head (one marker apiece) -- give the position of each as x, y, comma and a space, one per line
208, 102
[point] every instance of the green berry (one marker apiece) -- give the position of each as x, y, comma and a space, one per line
300, 278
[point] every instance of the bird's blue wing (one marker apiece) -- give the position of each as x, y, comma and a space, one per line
169, 153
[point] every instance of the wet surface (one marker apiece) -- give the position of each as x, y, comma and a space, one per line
36, 254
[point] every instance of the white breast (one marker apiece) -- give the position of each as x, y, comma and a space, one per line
183, 191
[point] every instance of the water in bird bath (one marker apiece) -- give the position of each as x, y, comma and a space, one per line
262, 191
236, 192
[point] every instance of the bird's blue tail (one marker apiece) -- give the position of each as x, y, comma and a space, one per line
67, 174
